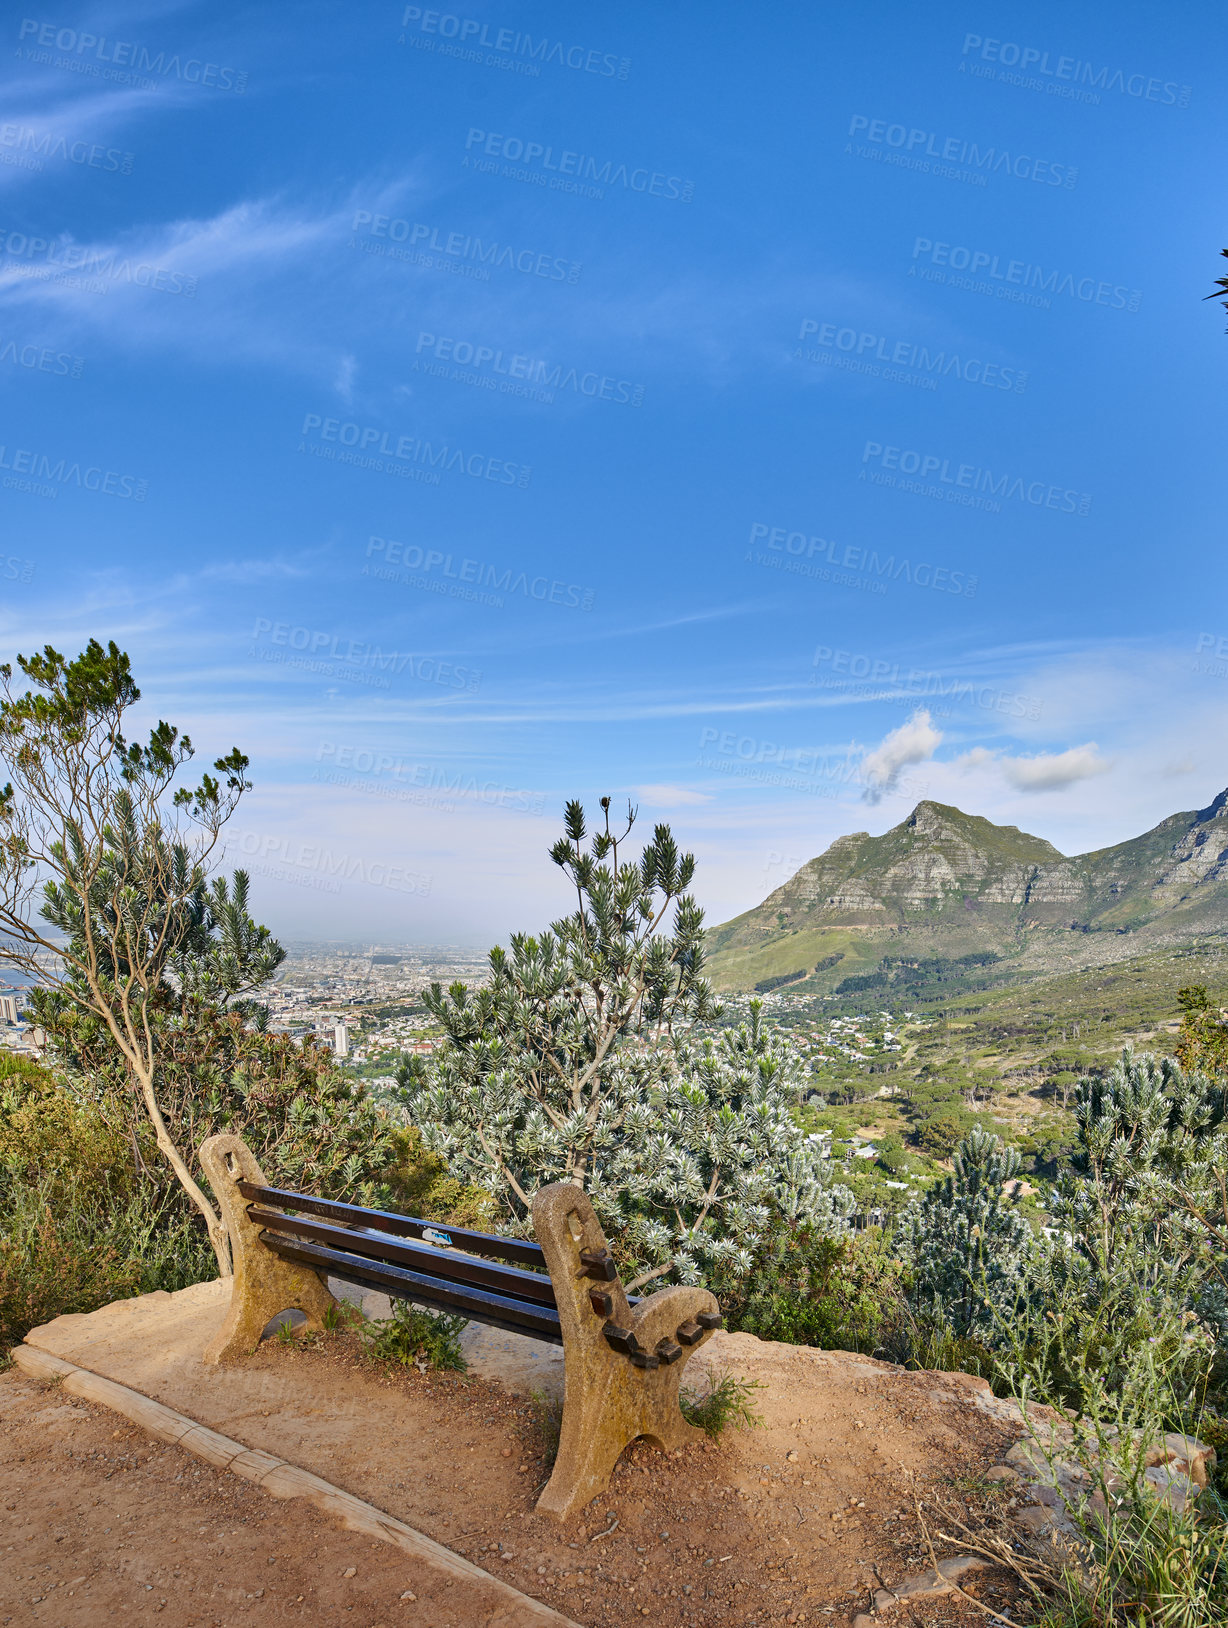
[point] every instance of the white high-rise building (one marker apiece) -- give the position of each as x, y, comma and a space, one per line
8, 1008
341, 1039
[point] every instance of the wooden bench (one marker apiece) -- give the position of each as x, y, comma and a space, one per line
623, 1357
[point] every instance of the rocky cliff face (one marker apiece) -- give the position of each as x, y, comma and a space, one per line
937, 857
1182, 862
958, 882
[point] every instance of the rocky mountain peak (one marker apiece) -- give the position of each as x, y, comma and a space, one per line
930, 819
942, 822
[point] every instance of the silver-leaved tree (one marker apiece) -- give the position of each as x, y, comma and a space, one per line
578, 1063
1138, 1264
970, 1248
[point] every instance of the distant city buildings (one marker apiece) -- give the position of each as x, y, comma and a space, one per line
16, 1033
365, 1003
362, 1002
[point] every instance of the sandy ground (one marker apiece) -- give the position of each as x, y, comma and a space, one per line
797, 1520
99, 1523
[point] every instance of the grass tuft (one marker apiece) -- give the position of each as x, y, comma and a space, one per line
726, 1402
548, 1415
341, 1316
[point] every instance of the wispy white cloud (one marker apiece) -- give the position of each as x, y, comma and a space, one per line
343, 384
258, 280
252, 571
61, 124
273, 274
671, 796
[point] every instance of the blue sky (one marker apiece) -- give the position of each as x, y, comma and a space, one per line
774, 417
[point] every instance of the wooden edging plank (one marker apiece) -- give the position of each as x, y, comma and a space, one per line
277, 1476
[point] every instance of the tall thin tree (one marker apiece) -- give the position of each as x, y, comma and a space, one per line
105, 897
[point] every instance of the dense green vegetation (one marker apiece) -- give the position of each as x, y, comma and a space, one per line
107, 902
766, 985
81, 1223
576, 1063
920, 980
1007, 1060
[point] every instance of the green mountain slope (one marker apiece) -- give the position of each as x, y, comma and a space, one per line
945, 884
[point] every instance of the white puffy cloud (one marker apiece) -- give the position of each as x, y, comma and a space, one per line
1051, 771
913, 742
1045, 771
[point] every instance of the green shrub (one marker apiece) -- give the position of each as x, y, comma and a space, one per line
1139, 1559
421, 1184
942, 1132
927, 1342
1048, 1149
1129, 1279
17, 1069
416, 1338
1203, 1041
837, 1294
82, 1221
798, 1319
47, 1133
971, 1252
74, 1245
693, 1159
579, 1061
891, 1153
309, 1122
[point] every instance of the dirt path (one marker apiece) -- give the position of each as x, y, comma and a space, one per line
100, 1523
795, 1521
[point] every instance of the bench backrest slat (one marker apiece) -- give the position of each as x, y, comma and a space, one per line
380, 1246
401, 1226
498, 1310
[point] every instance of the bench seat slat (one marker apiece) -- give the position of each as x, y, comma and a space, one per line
440, 1263
401, 1226
497, 1310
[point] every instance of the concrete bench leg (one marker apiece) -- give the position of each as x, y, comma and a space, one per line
610, 1396
263, 1283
